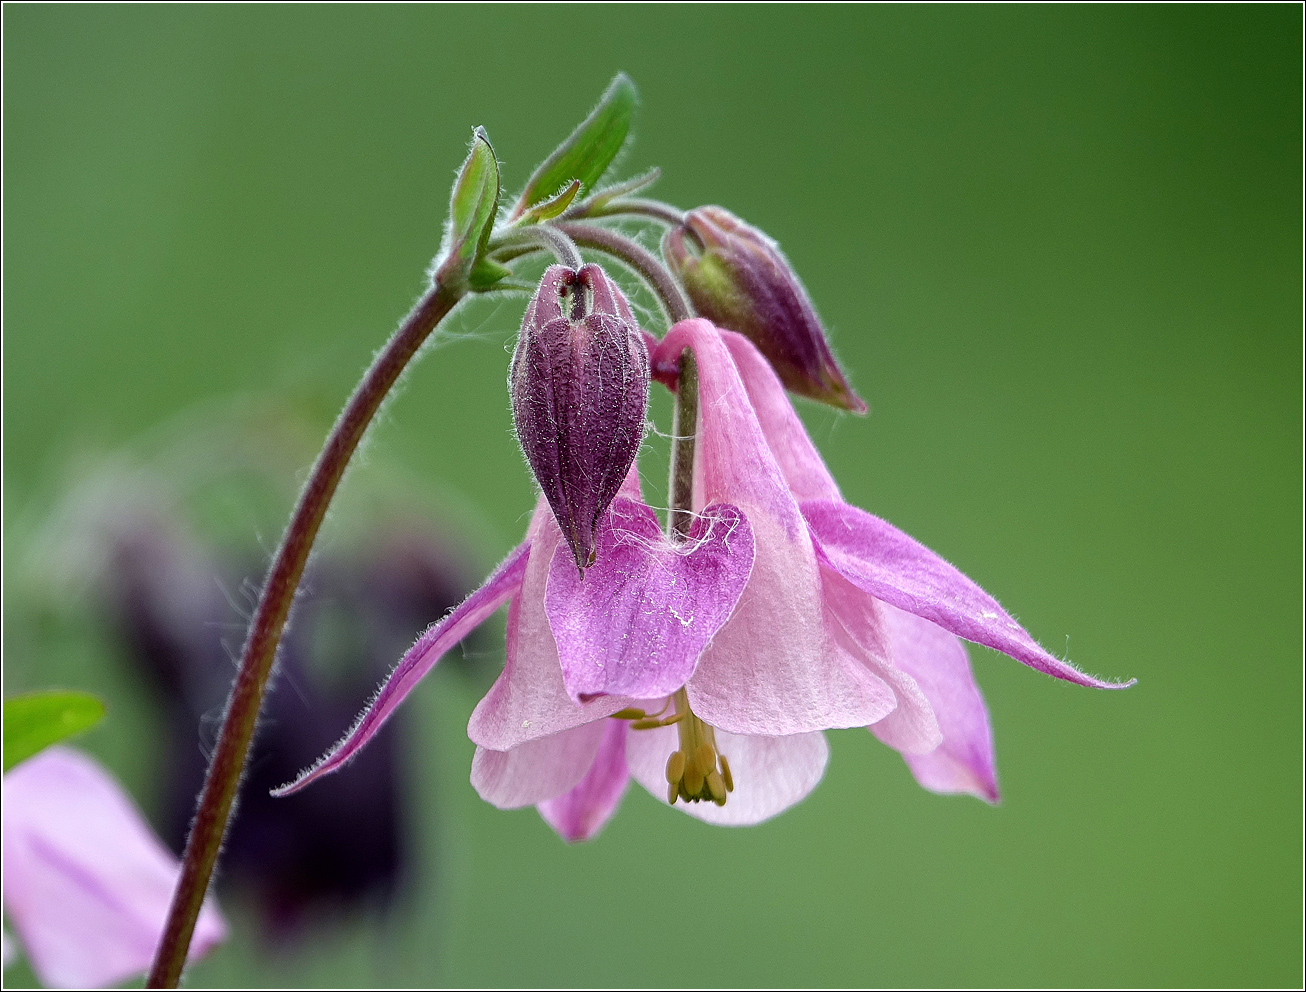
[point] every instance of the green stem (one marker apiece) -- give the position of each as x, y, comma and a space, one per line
684, 427
223, 777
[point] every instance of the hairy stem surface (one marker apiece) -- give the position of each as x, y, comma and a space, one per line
223, 777
637, 257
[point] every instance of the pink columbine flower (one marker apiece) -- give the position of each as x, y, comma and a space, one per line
708, 670
86, 883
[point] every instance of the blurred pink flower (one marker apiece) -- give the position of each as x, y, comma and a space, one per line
86, 883
787, 612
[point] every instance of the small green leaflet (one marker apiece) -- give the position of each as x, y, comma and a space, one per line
34, 721
553, 206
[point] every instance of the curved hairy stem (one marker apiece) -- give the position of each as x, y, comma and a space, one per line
635, 256
524, 240
223, 777
635, 207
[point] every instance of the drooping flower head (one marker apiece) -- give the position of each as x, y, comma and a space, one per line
579, 386
708, 671
738, 278
707, 660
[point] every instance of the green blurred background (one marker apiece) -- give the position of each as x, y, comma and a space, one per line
1059, 251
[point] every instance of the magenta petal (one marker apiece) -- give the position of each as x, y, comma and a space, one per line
938, 662
883, 561
537, 770
86, 883
636, 621
581, 813
770, 773
804, 469
774, 668
529, 700
420, 659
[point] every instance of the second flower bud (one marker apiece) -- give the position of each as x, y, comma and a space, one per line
579, 386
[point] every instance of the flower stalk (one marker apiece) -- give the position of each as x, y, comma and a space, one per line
238, 724
684, 420
635, 256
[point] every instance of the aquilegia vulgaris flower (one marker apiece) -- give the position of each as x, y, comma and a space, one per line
708, 670
87, 884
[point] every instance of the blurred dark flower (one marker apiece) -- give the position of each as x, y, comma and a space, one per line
159, 540
347, 843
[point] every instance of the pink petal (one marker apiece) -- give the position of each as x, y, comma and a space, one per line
774, 668
581, 813
863, 631
503, 582
770, 773
938, 662
804, 469
536, 770
87, 884
529, 700
883, 561
635, 623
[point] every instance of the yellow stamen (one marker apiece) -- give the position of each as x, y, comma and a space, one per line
675, 767
697, 777
692, 782
717, 787
725, 774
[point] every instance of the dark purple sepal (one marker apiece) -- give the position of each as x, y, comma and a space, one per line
579, 386
737, 278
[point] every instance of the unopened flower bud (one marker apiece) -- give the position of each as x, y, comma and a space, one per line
737, 278
579, 385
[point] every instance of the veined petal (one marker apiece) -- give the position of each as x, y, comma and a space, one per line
862, 630
636, 622
804, 469
938, 662
773, 669
581, 813
880, 559
537, 770
529, 700
87, 884
503, 582
770, 773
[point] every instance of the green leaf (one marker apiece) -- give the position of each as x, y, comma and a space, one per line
472, 210
586, 155
553, 206
34, 721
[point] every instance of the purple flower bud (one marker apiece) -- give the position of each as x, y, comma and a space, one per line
737, 278
579, 386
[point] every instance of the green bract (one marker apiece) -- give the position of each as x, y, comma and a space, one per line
588, 152
554, 205
472, 210
34, 721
